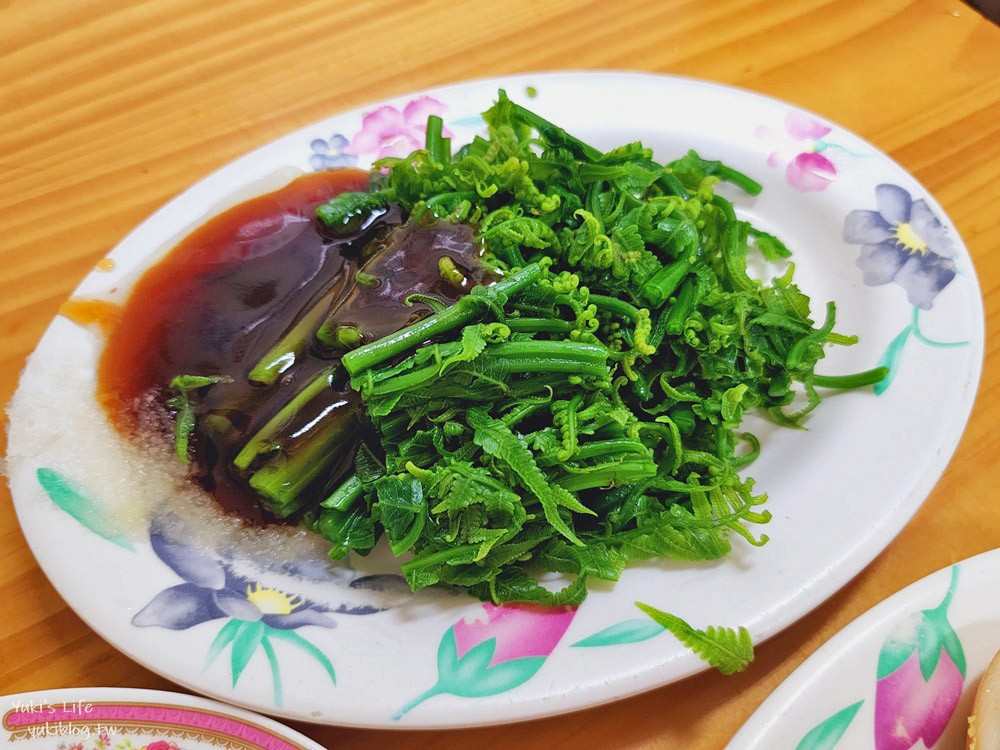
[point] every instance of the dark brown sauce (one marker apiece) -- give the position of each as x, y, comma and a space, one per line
220, 301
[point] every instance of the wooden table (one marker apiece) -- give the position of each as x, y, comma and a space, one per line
109, 109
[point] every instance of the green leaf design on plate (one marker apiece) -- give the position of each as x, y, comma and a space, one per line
74, 500
472, 676
894, 352
223, 639
927, 632
245, 644
626, 631
292, 637
246, 637
826, 734
890, 358
272, 659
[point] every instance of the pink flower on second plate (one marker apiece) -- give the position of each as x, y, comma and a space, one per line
910, 709
388, 132
520, 630
921, 672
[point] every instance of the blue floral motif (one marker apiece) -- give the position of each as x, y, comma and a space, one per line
255, 616
902, 242
211, 591
329, 154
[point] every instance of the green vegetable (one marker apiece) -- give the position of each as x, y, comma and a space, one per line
184, 420
582, 412
725, 649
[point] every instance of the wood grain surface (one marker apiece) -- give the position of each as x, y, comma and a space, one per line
108, 109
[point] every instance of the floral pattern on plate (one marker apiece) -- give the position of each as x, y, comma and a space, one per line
800, 147
901, 676
495, 649
402, 642
385, 131
920, 675
127, 719
904, 243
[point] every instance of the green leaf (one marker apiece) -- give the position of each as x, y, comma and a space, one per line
890, 358
626, 631
184, 421
471, 676
74, 499
676, 543
826, 734
272, 660
346, 212
725, 649
595, 559
515, 585
496, 439
900, 644
245, 643
402, 510
771, 247
184, 424
347, 529
225, 636
186, 383
314, 651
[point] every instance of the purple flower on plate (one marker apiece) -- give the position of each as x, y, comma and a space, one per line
255, 617
921, 672
331, 154
387, 131
210, 592
902, 242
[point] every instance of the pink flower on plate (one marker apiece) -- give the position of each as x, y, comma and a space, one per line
520, 630
801, 145
495, 649
921, 672
388, 132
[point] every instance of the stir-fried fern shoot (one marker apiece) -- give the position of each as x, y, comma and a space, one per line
583, 412
579, 411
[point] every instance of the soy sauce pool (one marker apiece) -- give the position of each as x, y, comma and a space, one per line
242, 284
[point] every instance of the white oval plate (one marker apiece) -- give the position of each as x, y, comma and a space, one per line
128, 719
839, 492
905, 672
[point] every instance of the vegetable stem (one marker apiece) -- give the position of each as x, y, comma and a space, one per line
856, 380
293, 345
465, 310
616, 306
438, 147
267, 434
282, 481
344, 496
